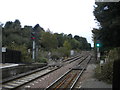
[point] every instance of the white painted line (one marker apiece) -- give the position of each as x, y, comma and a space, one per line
9, 66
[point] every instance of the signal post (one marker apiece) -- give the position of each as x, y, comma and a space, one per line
98, 49
33, 45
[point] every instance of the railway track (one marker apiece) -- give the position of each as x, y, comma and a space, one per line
24, 79
70, 78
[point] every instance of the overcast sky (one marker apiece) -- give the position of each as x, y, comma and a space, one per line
62, 16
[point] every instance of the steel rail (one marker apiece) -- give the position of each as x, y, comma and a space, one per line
58, 79
59, 85
28, 74
71, 80
23, 74
79, 75
63, 75
24, 80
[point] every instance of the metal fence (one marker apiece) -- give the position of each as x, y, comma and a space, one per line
11, 56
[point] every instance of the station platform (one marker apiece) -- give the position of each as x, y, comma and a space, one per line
6, 65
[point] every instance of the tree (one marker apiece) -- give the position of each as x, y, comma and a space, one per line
70, 36
83, 42
38, 31
60, 39
26, 36
67, 48
14, 35
17, 25
67, 45
75, 44
48, 41
108, 15
13, 28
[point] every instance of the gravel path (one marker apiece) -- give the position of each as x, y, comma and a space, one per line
46, 80
89, 81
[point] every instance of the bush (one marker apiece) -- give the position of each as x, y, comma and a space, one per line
106, 73
25, 56
65, 52
42, 60
54, 57
114, 54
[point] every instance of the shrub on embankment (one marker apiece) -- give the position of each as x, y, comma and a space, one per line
105, 72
